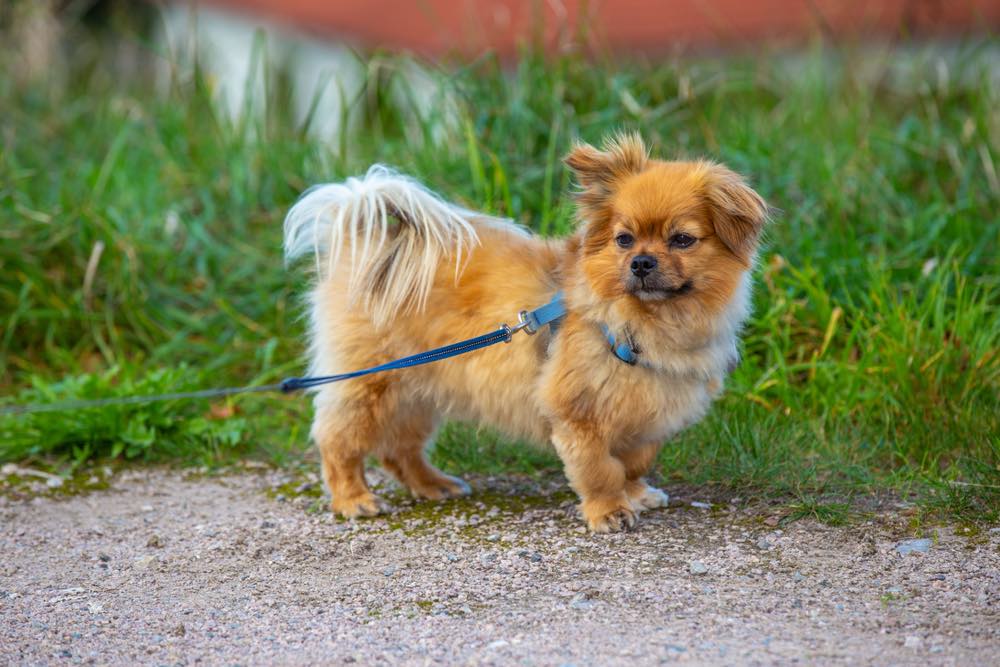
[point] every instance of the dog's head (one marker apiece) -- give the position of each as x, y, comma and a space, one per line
664, 233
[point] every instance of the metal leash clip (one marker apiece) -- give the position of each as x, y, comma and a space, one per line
525, 322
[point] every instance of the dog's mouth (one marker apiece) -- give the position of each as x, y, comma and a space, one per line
647, 291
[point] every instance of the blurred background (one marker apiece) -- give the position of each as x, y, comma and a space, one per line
149, 151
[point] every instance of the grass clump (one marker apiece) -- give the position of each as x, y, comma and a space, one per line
141, 233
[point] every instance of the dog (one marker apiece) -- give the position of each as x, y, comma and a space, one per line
660, 261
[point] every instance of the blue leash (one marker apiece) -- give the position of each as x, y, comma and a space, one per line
529, 321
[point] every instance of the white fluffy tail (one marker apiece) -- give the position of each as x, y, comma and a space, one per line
394, 231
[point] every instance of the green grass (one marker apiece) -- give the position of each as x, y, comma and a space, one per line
871, 363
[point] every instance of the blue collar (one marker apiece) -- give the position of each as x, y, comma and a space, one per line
552, 312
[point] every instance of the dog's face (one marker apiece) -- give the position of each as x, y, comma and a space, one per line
677, 234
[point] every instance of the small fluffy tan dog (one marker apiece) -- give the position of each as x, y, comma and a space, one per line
661, 259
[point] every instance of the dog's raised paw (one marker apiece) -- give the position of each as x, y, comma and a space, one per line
648, 498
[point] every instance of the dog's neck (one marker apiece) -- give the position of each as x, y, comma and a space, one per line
675, 338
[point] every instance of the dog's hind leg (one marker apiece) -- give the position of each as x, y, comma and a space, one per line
351, 420
401, 452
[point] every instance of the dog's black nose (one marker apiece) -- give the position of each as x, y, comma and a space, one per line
643, 265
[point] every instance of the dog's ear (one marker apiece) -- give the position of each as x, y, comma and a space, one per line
597, 171
738, 213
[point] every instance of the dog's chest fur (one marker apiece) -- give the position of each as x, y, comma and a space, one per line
585, 384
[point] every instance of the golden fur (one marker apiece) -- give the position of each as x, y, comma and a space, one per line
401, 271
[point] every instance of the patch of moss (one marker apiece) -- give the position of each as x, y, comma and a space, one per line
20, 485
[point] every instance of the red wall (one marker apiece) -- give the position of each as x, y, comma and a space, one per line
434, 27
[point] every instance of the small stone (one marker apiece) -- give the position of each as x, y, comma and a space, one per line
500, 643
912, 641
921, 545
582, 601
267, 524
763, 544
389, 571
772, 520
146, 508
155, 542
178, 630
103, 557
493, 537
700, 505
798, 576
697, 567
145, 562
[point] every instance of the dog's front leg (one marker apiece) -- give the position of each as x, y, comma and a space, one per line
597, 477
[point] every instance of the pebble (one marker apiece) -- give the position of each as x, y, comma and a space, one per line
145, 562
921, 545
701, 505
697, 567
912, 641
763, 544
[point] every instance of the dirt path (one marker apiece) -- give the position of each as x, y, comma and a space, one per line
162, 569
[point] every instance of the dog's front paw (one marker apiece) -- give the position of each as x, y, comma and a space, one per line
646, 497
602, 518
362, 505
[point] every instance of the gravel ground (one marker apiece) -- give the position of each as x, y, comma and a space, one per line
247, 568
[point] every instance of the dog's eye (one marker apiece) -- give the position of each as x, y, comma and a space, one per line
682, 240
624, 240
